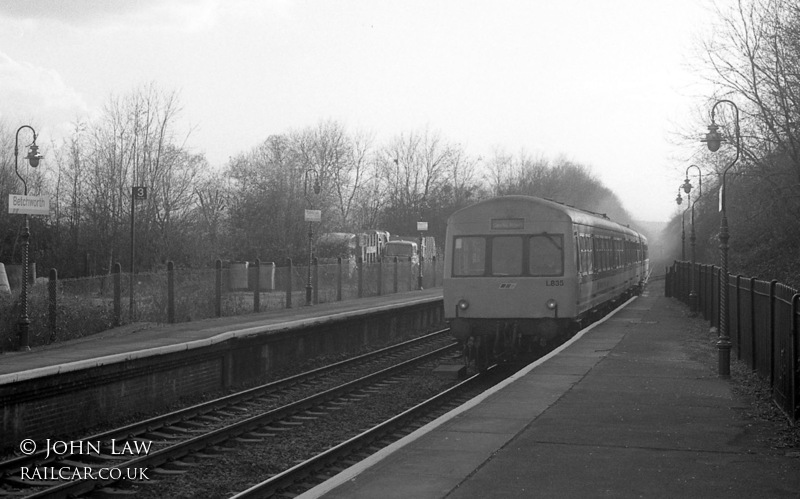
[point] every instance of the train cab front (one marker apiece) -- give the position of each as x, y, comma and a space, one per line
505, 318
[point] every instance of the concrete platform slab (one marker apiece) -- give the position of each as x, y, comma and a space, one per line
631, 409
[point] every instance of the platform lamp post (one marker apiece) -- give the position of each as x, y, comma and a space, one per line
421, 227
679, 200
687, 188
311, 216
33, 158
713, 140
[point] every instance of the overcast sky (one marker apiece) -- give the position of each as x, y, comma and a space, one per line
601, 82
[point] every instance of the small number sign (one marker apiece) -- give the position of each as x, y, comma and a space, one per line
139, 193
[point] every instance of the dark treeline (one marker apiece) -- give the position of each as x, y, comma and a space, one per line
254, 206
753, 59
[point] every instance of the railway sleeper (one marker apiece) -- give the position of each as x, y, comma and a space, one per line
259, 434
165, 471
360, 395
275, 428
178, 465
160, 435
226, 414
175, 429
113, 492
303, 417
221, 449
194, 424
248, 440
238, 408
209, 418
93, 457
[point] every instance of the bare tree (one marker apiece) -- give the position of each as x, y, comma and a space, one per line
413, 167
754, 58
132, 143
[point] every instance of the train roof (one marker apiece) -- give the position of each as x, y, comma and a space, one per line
576, 215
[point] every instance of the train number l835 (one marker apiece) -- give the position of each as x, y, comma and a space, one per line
554, 282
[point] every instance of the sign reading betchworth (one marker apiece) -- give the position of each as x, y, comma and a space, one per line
28, 205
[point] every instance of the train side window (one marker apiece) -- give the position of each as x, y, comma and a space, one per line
469, 256
546, 255
603, 254
587, 254
506, 255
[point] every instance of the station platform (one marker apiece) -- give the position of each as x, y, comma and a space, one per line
631, 407
139, 340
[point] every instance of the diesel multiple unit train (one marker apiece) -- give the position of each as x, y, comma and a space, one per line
523, 272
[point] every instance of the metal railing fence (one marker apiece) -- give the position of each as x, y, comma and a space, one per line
763, 323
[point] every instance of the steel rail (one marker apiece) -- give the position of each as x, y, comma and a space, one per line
180, 415
290, 477
215, 437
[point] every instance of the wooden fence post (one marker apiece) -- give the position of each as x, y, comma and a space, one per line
396, 274
218, 288
419, 274
170, 292
380, 276
289, 283
53, 303
360, 265
339, 277
257, 287
117, 294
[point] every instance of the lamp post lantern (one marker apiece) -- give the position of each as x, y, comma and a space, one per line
687, 188
33, 158
311, 216
713, 140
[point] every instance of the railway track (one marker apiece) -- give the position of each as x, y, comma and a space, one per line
317, 469
114, 462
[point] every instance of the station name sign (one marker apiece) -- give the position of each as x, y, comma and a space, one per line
28, 205
313, 215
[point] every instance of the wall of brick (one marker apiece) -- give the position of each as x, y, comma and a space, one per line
68, 405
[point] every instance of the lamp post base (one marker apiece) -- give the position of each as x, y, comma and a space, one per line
724, 358
23, 334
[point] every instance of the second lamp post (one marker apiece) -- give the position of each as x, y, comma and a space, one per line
687, 187
713, 140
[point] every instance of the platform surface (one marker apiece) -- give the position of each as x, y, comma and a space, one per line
632, 408
138, 340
